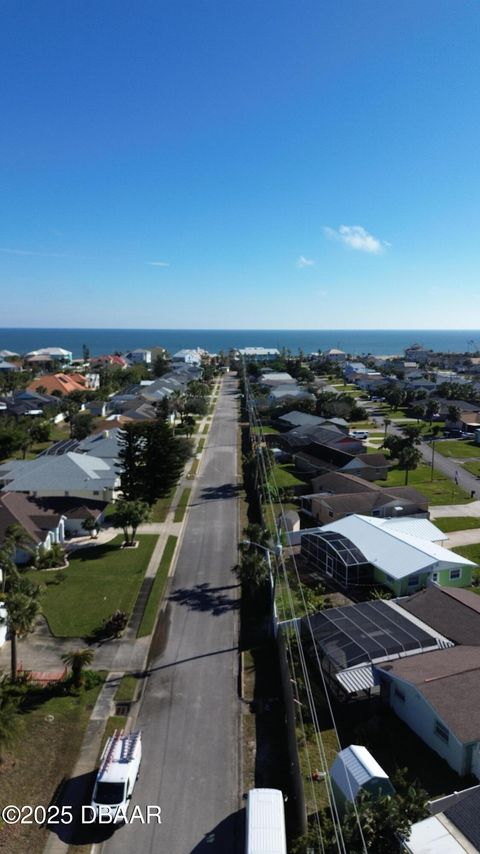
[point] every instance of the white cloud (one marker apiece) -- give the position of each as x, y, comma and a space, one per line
158, 263
9, 251
357, 237
305, 262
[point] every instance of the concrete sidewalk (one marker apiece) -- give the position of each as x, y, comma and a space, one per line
463, 538
442, 510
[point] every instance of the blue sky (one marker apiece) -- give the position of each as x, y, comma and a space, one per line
240, 163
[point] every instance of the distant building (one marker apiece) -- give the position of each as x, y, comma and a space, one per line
56, 354
259, 354
190, 357
139, 357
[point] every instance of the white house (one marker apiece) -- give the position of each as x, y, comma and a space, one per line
259, 354
139, 356
190, 357
58, 354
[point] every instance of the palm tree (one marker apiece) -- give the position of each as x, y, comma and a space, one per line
23, 606
387, 421
253, 572
408, 459
15, 535
10, 723
78, 660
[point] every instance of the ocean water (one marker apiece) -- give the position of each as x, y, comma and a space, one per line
356, 342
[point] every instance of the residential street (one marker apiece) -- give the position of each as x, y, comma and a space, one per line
190, 713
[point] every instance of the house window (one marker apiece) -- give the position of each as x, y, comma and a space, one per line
413, 581
441, 731
330, 513
398, 694
96, 492
455, 573
434, 576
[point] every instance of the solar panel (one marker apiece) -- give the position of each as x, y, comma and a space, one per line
365, 632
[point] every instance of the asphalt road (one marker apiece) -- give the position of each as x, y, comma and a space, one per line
190, 712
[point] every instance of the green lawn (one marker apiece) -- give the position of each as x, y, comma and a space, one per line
150, 614
473, 468
447, 524
161, 507
44, 754
265, 428
99, 580
283, 475
458, 449
471, 552
439, 491
181, 507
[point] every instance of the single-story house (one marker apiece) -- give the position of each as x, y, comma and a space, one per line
437, 696
342, 483
368, 466
46, 520
330, 435
286, 392
350, 641
66, 475
379, 501
400, 554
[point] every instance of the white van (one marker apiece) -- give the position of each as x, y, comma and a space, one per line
117, 775
359, 434
265, 822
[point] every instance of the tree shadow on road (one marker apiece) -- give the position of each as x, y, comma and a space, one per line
215, 493
202, 597
226, 836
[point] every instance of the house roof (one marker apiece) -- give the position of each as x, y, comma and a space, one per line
464, 813
417, 527
370, 460
297, 418
452, 611
353, 768
64, 383
449, 680
40, 515
395, 553
365, 502
64, 473
341, 483
50, 351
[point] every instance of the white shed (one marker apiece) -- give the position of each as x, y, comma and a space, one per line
355, 769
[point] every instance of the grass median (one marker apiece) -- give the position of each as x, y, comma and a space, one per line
150, 614
182, 505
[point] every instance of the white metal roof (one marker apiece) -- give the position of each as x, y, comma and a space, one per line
396, 553
353, 767
265, 829
416, 527
430, 836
